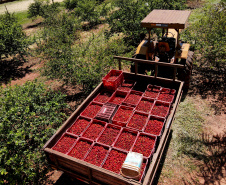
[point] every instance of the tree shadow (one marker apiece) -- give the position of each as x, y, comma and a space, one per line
209, 151
66, 179
12, 69
210, 83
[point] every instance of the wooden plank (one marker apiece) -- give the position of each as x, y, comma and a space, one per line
149, 62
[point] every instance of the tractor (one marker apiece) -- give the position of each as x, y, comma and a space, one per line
169, 48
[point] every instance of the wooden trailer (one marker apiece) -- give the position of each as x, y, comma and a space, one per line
98, 174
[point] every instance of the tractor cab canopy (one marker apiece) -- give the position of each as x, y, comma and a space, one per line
176, 19
171, 22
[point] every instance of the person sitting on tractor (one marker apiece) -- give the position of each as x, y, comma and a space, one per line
162, 52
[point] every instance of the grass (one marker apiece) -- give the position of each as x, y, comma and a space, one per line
22, 17
186, 130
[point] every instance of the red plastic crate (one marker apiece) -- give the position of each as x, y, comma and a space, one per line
126, 86
118, 97
133, 98
65, 143
145, 144
161, 109
109, 135
106, 112
152, 91
97, 154
94, 129
103, 96
126, 139
114, 160
167, 95
138, 120
155, 125
80, 124
113, 79
81, 148
145, 105
92, 109
122, 115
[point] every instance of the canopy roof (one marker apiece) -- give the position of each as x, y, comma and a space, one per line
176, 19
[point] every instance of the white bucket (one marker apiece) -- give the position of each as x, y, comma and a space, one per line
131, 167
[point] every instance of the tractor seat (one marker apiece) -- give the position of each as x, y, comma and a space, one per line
166, 44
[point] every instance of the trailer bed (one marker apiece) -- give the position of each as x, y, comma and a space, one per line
97, 175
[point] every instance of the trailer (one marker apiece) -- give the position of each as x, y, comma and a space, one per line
79, 164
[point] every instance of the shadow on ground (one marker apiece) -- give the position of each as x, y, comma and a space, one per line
210, 151
210, 83
12, 69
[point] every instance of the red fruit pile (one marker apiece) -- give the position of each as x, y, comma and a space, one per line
145, 105
152, 92
91, 110
79, 126
133, 99
96, 155
166, 95
144, 145
125, 86
125, 140
93, 131
123, 114
112, 78
114, 161
118, 99
64, 144
103, 97
109, 135
80, 149
160, 110
138, 121
154, 127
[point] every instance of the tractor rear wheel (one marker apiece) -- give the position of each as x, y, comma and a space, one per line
185, 74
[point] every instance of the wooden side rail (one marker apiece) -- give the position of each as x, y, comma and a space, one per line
136, 61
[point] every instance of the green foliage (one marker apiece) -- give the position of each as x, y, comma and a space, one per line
42, 8
70, 4
12, 38
127, 19
208, 32
91, 10
35, 9
29, 115
86, 63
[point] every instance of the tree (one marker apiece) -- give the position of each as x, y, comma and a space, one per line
12, 38
208, 35
29, 115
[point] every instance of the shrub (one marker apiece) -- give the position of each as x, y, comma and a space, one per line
70, 4
208, 32
42, 8
29, 115
12, 38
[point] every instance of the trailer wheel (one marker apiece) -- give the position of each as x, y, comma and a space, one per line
185, 74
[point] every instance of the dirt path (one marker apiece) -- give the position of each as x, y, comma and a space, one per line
18, 6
